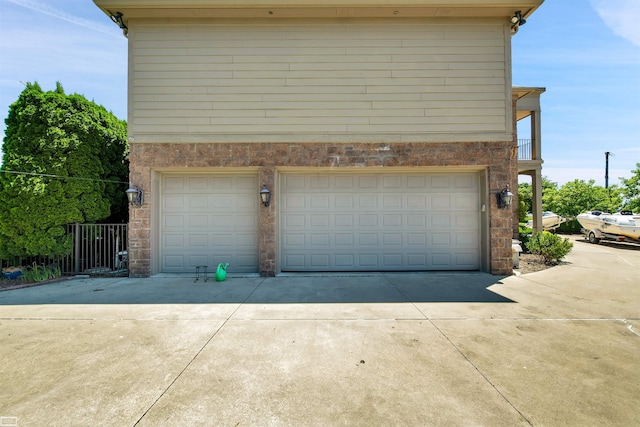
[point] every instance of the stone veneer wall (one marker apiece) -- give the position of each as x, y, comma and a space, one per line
498, 157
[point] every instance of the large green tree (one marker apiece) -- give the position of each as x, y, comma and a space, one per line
579, 196
64, 162
631, 190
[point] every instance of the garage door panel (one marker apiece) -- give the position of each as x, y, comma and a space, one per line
198, 220
344, 261
440, 202
319, 261
198, 240
465, 260
367, 261
343, 239
296, 262
416, 220
295, 221
392, 220
439, 220
417, 260
173, 184
292, 202
416, 201
320, 240
393, 201
441, 260
319, 202
465, 240
379, 221
174, 261
175, 203
173, 221
367, 201
391, 260
342, 201
416, 239
464, 221
293, 182
440, 239
321, 221
368, 182
209, 219
367, 220
197, 203
319, 182
343, 220
392, 182
464, 203
392, 239
175, 240
199, 183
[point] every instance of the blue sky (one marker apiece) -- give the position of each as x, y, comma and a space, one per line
585, 52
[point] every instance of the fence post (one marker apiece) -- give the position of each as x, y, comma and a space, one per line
76, 250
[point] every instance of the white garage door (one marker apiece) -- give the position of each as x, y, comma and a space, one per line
379, 222
209, 219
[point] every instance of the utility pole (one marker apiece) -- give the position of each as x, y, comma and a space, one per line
606, 169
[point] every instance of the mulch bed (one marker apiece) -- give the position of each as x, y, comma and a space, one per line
530, 263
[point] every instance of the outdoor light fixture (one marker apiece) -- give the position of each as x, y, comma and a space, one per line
504, 198
516, 21
265, 195
117, 18
135, 196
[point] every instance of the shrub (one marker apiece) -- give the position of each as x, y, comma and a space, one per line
524, 234
551, 247
39, 273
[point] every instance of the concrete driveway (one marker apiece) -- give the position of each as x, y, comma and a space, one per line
556, 347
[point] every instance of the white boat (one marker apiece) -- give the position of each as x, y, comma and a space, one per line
550, 221
603, 225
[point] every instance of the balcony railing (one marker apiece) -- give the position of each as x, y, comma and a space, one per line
525, 149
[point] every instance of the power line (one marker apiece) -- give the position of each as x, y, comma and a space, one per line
61, 176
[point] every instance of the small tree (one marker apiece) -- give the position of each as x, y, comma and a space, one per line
64, 159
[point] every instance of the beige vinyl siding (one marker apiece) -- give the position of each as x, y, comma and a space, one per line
347, 80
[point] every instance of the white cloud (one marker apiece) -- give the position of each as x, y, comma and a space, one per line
621, 16
57, 13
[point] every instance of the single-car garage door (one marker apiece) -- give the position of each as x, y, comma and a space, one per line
209, 219
379, 221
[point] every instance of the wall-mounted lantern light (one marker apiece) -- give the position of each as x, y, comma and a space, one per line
504, 198
135, 196
265, 195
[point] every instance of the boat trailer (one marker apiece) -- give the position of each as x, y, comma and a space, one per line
596, 236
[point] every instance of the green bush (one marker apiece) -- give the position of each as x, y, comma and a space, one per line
551, 247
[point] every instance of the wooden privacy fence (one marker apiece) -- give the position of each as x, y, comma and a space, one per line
98, 250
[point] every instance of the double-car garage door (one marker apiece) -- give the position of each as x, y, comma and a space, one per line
326, 222
379, 222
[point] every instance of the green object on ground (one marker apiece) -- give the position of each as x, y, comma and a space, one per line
221, 272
